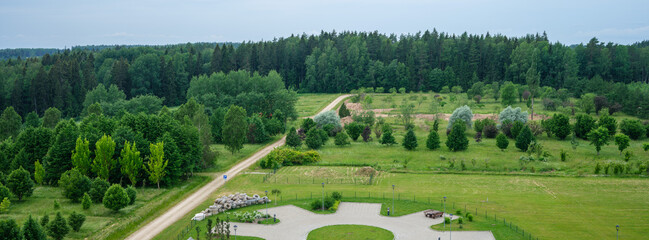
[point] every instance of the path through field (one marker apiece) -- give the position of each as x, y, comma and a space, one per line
176, 212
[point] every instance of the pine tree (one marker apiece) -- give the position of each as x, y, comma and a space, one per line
410, 140
524, 139
32, 230
9, 229
58, 227
432, 142
387, 138
20, 183
5, 204
157, 164
86, 202
457, 140
502, 142
343, 111
45, 220
292, 139
76, 220
51, 117
313, 139
59, 156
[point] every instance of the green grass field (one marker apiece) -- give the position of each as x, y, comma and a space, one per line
309, 104
350, 232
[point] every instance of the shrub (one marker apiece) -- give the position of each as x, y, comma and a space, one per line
132, 194
460, 220
410, 140
470, 217
608, 122
432, 142
583, 125
32, 230
324, 136
560, 126
58, 227
549, 104
313, 139
307, 124
336, 196
74, 184
115, 198
622, 142
4, 192
632, 128
274, 126
598, 168
328, 117
45, 220
354, 130
284, 156
516, 129
388, 139
98, 188
645, 146
478, 125
506, 128
489, 129
86, 201
342, 139
524, 139
57, 206
536, 128
343, 111
367, 134
502, 142
462, 113
513, 115
317, 203
4, 205
564, 155
20, 183
457, 140
292, 139
447, 220
76, 220
598, 137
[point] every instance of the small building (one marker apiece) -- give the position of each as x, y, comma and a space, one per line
433, 214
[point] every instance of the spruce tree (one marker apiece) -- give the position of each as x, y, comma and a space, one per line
292, 139
343, 111
342, 139
115, 198
76, 220
58, 159
524, 139
32, 230
433, 141
388, 139
9, 229
313, 139
502, 142
410, 140
457, 140
58, 228
45, 220
86, 202
20, 183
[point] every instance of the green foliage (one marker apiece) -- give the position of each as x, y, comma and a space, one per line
513, 115
410, 140
115, 198
58, 228
132, 194
74, 184
632, 128
58, 157
130, 162
307, 124
45, 220
598, 137
516, 128
622, 141
502, 142
216, 121
432, 142
97, 190
313, 139
20, 183
39, 172
406, 114
32, 230
288, 157
524, 139
343, 111
10, 123
9, 229
51, 117
32, 120
234, 128
387, 138
560, 126
81, 156
457, 140
583, 125
157, 164
462, 113
608, 122
76, 220
328, 117
587, 102
4, 192
256, 130
103, 162
317, 203
86, 202
5, 205
57, 205
509, 92
94, 108
292, 139
354, 130
645, 146
342, 139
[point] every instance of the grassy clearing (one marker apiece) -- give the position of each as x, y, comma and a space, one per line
547, 207
350, 232
309, 104
498, 228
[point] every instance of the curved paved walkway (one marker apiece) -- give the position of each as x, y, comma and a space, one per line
176, 212
296, 223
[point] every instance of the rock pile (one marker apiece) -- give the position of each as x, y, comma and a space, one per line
232, 201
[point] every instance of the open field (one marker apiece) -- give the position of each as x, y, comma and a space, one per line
350, 232
309, 104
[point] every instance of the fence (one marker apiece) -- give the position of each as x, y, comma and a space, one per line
386, 198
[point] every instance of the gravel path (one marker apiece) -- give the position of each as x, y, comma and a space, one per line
176, 212
296, 223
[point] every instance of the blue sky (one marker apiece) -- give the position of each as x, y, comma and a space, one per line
57, 24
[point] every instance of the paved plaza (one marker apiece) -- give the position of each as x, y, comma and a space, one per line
296, 223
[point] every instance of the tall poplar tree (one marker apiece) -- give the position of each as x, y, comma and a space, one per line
104, 162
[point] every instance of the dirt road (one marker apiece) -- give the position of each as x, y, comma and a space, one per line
181, 209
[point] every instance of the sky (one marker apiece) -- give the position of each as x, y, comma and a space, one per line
66, 23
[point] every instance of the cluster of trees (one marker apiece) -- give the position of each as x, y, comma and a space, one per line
57, 229
332, 62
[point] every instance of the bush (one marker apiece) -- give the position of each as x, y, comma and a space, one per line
58, 227
506, 128
132, 194
462, 113
470, 217
292, 139
560, 126
608, 122
460, 220
115, 198
622, 142
74, 184
274, 126
513, 115
388, 139
524, 139
328, 117
57, 206
313, 139
489, 129
307, 124
354, 130
432, 142
632, 128
410, 140
478, 125
342, 139
343, 111
536, 128
324, 136
98, 188
645, 146
502, 142
367, 134
20, 183
45, 220
76, 220
86, 201
516, 129
4, 192
447, 220
336, 196
457, 140
284, 156
583, 125
317, 204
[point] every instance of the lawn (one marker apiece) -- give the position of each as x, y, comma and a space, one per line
350, 232
310, 104
547, 207
499, 229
